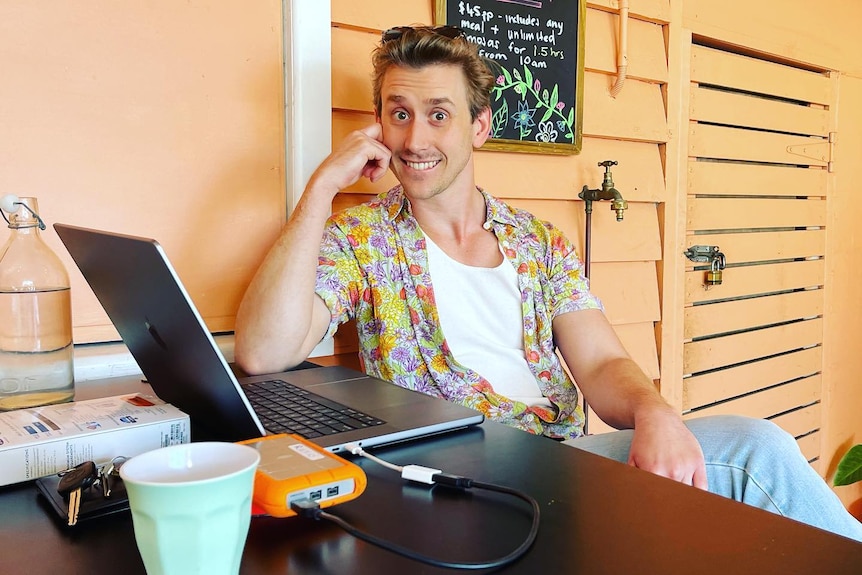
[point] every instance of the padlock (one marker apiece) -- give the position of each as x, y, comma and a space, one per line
713, 276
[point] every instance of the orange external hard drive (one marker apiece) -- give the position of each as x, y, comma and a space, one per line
292, 468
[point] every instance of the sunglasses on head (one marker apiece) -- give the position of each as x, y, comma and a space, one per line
451, 32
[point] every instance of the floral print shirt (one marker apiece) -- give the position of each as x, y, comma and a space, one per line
373, 267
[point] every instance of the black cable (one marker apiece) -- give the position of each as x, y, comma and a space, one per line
307, 508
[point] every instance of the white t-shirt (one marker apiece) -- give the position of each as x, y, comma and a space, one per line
480, 314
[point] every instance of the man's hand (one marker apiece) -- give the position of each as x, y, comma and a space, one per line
622, 396
283, 286
361, 154
663, 445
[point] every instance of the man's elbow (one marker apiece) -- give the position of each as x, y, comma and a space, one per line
256, 362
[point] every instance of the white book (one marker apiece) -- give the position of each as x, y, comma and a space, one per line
41, 441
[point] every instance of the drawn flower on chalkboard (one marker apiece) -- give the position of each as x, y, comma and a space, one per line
524, 118
532, 99
547, 133
501, 80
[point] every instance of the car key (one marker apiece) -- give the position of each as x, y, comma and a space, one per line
73, 482
105, 479
110, 471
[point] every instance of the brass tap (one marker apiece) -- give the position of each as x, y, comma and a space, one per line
606, 192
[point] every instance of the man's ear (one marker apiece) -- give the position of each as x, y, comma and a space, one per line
482, 128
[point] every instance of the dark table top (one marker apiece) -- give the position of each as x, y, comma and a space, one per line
597, 516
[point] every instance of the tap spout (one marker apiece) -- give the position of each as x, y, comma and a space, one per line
606, 192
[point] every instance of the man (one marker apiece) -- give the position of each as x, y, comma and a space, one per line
458, 295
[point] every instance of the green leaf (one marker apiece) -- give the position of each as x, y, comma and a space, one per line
571, 120
507, 76
555, 96
547, 115
499, 120
850, 467
528, 77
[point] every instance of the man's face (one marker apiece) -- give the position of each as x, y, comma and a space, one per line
426, 123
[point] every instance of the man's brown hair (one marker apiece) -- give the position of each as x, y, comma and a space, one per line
417, 47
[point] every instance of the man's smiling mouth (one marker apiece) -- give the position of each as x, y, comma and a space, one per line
421, 166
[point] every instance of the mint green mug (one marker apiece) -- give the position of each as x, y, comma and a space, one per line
191, 506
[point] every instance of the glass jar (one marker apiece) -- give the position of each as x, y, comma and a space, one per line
36, 363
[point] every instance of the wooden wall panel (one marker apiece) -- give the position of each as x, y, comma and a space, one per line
769, 402
351, 69
735, 109
800, 422
720, 178
737, 315
628, 291
743, 73
825, 34
637, 113
715, 352
639, 341
809, 445
763, 246
380, 14
653, 10
745, 213
744, 281
719, 142
646, 60
716, 386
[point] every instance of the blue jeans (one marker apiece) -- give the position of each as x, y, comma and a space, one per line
755, 462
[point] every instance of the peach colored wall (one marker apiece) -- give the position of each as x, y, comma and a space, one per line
161, 119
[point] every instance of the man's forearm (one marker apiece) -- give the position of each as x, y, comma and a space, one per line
275, 318
620, 393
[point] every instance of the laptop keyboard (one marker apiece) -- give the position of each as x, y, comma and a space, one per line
286, 408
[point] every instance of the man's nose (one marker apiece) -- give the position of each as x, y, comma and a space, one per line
418, 135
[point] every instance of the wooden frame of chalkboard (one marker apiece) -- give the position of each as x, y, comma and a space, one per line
536, 49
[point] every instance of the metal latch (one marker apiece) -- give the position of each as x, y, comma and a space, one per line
711, 255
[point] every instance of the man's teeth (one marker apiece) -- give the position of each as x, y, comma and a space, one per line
421, 165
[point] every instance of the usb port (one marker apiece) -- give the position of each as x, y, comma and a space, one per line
315, 495
332, 491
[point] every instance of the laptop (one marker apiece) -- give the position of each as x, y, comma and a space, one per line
147, 303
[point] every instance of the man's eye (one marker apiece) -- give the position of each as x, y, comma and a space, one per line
401, 115
440, 116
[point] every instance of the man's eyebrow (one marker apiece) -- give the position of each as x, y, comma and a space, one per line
438, 101
395, 98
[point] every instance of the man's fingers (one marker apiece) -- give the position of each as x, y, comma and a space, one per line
377, 153
681, 473
376, 169
374, 131
700, 480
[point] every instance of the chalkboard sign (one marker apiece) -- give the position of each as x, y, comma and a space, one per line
536, 50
